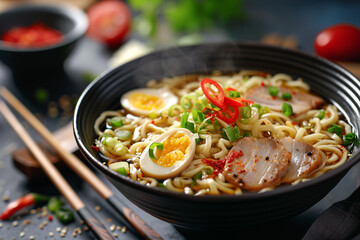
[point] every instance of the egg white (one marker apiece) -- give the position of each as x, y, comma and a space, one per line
150, 168
168, 97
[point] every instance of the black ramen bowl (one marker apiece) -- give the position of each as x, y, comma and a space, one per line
219, 212
29, 64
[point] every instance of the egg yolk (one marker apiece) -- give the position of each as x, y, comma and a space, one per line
176, 146
145, 101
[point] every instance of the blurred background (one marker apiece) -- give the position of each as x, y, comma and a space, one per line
118, 33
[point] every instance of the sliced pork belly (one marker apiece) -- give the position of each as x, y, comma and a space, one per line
305, 159
263, 163
300, 102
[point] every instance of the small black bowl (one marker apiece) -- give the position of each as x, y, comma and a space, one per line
329, 80
30, 64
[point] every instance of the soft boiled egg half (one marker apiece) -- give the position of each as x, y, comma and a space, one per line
178, 150
144, 101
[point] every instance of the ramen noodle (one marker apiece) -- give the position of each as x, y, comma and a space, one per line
223, 134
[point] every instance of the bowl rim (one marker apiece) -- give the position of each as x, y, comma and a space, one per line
341, 170
71, 12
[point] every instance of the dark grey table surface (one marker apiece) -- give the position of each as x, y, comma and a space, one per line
301, 19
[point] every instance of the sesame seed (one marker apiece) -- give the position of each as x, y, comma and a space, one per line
118, 228
82, 222
62, 235
123, 230
97, 208
51, 234
116, 235
6, 198
15, 223
32, 211
58, 229
41, 227
86, 228
22, 234
74, 234
31, 237
45, 223
26, 222
112, 227
1, 225
109, 220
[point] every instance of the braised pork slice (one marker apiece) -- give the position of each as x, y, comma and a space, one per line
258, 163
305, 159
300, 102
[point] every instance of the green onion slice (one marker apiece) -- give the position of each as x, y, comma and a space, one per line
335, 129
246, 112
198, 116
153, 146
234, 94
273, 91
287, 109
349, 138
122, 171
229, 133
190, 126
184, 118
123, 135
175, 107
237, 133
116, 122
208, 169
321, 114
286, 96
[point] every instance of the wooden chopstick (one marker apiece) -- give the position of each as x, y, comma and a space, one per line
58, 180
137, 225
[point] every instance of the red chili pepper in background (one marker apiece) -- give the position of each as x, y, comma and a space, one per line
23, 202
215, 98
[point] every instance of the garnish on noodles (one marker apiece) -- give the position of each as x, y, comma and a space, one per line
223, 134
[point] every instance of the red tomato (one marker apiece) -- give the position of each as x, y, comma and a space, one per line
339, 42
109, 22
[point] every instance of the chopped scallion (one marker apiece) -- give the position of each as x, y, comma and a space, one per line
286, 96
287, 109
349, 138
153, 115
184, 119
116, 122
175, 109
198, 116
229, 133
321, 114
197, 176
246, 112
153, 146
234, 94
190, 126
208, 169
237, 133
123, 135
335, 129
247, 133
273, 91
122, 171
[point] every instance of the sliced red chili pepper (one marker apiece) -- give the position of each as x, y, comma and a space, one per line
230, 89
216, 98
240, 102
229, 113
20, 203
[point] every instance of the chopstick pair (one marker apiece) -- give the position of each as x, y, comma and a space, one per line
127, 216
